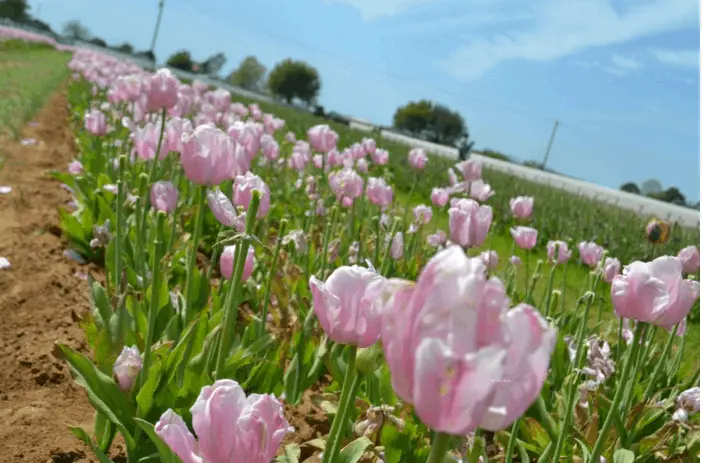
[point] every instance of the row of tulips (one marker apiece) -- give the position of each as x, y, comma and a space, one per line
246, 265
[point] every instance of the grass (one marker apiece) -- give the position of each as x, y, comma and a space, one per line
28, 75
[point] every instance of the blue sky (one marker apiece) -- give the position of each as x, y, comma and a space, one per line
620, 75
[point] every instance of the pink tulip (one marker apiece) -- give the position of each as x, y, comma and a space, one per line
558, 252
590, 253
347, 185
164, 196
531, 345
453, 180
380, 157
654, 292
242, 188
162, 90
515, 260
469, 222
358, 151
348, 306
489, 259
378, 193
297, 161
690, 259
362, 166
209, 156
146, 142
417, 158
471, 170
255, 111
525, 237
397, 249
222, 208
75, 168
423, 214
369, 145
444, 341
289, 137
229, 257
521, 207
439, 197
230, 426
317, 161
437, 239
175, 128
269, 147
481, 191
322, 138
127, 367
95, 122
250, 138
611, 269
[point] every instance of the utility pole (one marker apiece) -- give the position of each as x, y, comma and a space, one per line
156, 29
549, 145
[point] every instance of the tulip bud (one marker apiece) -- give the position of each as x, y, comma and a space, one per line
127, 367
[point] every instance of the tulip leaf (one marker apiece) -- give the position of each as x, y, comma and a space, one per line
85, 438
586, 454
355, 450
145, 397
102, 309
623, 456
72, 227
524, 458
103, 392
104, 431
167, 456
292, 454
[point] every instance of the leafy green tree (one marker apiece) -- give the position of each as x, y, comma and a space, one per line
294, 79
630, 187
249, 75
181, 60
125, 48
14, 10
671, 195
434, 122
76, 31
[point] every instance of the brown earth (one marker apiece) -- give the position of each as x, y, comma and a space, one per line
39, 296
38, 398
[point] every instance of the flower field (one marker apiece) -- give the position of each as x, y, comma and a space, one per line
265, 286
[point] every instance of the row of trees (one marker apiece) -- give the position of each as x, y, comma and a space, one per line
653, 189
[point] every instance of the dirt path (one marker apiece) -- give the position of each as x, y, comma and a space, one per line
37, 295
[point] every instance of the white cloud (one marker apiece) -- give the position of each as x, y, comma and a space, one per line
625, 63
688, 59
374, 9
566, 27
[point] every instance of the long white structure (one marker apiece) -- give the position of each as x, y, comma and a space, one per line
639, 204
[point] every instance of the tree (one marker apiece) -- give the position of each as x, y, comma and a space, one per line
413, 117
432, 121
181, 60
14, 10
294, 79
670, 195
76, 31
213, 64
98, 41
125, 48
249, 75
630, 187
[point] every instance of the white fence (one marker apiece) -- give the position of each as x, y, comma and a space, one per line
639, 204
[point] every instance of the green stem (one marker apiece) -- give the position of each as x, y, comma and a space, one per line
563, 287
549, 289
377, 248
154, 298
334, 438
331, 225
511, 441
660, 363
118, 226
439, 449
232, 300
545, 418
605, 428
600, 303
619, 342
272, 273
192, 268
527, 271
642, 355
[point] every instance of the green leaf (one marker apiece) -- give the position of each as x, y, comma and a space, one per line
292, 454
72, 227
524, 458
104, 431
355, 450
586, 454
102, 309
145, 398
623, 456
103, 392
165, 453
85, 438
